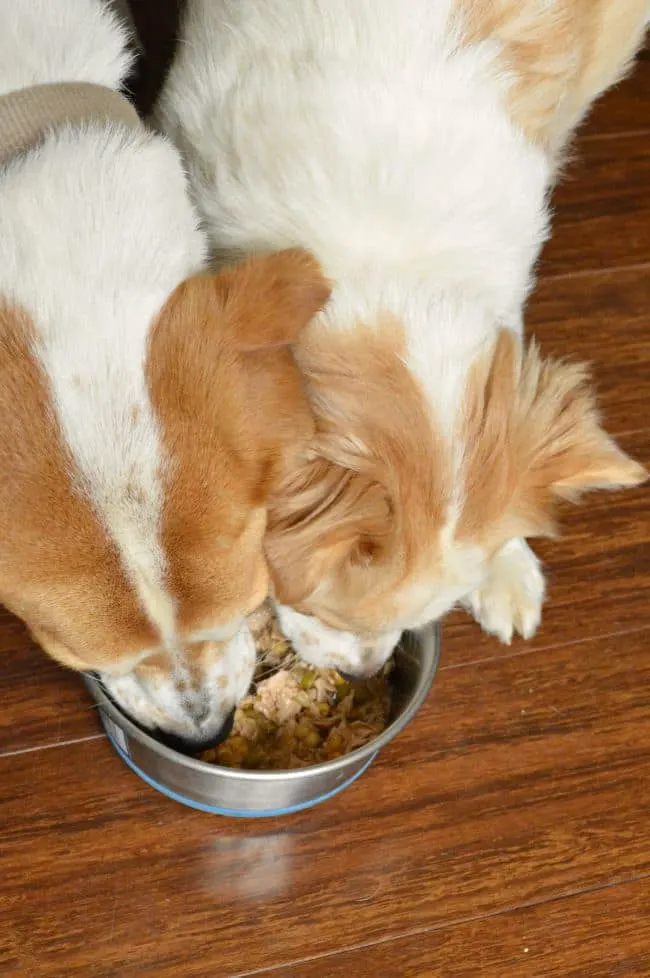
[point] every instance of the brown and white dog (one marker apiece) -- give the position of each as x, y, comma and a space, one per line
410, 145
146, 408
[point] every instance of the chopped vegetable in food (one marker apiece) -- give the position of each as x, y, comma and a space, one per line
296, 715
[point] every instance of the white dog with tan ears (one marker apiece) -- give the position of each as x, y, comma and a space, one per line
136, 454
410, 145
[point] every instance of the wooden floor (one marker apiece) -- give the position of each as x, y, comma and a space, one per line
504, 834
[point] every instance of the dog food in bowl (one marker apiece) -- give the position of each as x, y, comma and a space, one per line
238, 792
295, 715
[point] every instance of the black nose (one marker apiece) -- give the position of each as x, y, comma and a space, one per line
190, 746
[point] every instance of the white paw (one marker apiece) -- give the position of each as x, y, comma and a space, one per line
328, 648
322, 647
511, 597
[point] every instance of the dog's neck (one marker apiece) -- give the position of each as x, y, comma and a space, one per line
437, 329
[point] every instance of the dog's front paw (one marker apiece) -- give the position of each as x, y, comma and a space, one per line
311, 639
328, 648
511, 597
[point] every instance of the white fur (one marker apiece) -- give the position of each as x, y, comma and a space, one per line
93, 289
49, 41
510, 598
329, 648
172, 704
96, 231
366, 133
360, 131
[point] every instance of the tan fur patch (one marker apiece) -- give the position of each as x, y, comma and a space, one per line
233, 412
199, 656
561, 54
351, 523
59, 571
531, 435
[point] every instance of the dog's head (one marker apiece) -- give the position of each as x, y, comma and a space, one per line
395, 512
144, 569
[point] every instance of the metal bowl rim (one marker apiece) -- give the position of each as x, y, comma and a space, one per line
425, 681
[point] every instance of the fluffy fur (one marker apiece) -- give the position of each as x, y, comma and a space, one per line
135, 393
411, 146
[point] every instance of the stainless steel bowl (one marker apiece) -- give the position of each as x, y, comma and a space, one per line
248, 794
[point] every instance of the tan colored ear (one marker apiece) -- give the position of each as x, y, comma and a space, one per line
323, 519
269, 300
220, 364
571, 452
371, 496
602, 466
567, 452
534, 436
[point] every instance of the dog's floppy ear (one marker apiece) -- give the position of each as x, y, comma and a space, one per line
568, 451
270, 299
369, 493
535, 437
257, 304
325, 519
221, 360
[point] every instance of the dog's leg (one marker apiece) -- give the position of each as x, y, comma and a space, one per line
511, 597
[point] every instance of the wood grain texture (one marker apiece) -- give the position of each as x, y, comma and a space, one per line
511, 814
604, 934
42, 703
626, 108
602, 319
522, 780
602, 205
602, 208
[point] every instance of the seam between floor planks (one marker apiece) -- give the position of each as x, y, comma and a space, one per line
52, 746
596, 137
546, 276
447, 925
551, 647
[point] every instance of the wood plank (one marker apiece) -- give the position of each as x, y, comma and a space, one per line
522, 780
625, 108
42, 704
157, 26
602, 208
601, 319
594, 935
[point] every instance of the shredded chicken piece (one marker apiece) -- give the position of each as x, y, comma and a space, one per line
296, 715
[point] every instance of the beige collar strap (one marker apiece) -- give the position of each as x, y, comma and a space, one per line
28, 114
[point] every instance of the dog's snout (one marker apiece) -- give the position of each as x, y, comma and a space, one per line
226, 729
196, 745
